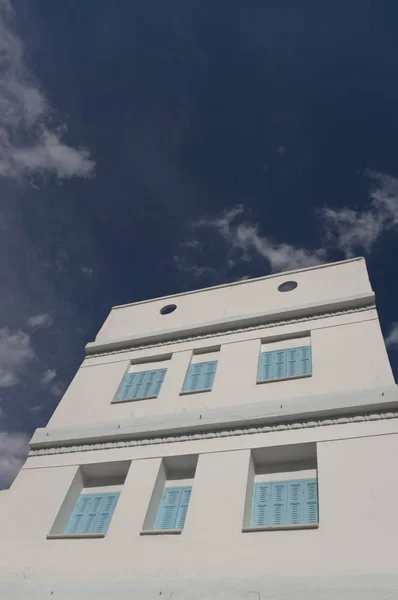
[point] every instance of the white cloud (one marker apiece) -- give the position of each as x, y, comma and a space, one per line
15, 353
41, 320
392, 338
245, 239
48, 376
193, 269
13, 451
89, 271
351, 230
346, 230
29, 142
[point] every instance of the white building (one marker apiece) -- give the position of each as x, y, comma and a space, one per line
236, 443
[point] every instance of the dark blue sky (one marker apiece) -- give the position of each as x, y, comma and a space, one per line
147, 148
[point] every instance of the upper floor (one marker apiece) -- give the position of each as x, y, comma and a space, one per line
319, 350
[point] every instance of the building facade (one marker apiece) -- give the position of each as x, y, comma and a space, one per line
235, 442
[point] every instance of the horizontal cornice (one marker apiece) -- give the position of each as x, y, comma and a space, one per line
233, 325
294, 413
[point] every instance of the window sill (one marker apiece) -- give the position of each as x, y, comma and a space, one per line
186, 392
74, 536
160, 531
259, 381
133, 399
280, 528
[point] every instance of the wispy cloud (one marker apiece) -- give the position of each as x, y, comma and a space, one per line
244, 239
48, 376
88, 271
351, 230
392, 337
31, 142
344, 230
48, 381
15, 353
13, 451
41, 320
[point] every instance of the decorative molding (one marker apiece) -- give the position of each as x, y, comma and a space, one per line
216, 434
231, 331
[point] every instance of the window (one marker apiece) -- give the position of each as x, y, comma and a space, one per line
279, 503
285, 363
173, 508
144, 378
169, 503
144, 384
91, 501
282, 489
92, 514
200, 376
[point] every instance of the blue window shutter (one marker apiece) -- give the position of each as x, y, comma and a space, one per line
126, 390
94, 511
261, 505
107, 509
92, 514
139, 382
304, 360
266, 369
183, 508
310, 509
292, 357
192, 381
158, 381
295, 502
167, 514
279, 364
208, 374
79, 515
278, 503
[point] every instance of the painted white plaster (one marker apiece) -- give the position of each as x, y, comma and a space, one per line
315, 285
351, 555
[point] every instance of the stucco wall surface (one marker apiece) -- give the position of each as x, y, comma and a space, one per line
348, 353
315, 285
356, 491
338, 587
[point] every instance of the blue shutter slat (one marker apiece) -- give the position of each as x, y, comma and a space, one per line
76, 521
126, 390
304, 360
261, 505
208, 374
280, 364
295, 490
183, 508
89, 525
139, 384
278, 503
158, 381
310, 508
292, 356
106, 512
266, 370
167, 514
192, 381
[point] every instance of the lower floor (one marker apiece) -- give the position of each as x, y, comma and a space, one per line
332, 587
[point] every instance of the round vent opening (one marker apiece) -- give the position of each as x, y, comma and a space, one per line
169, 308
287, 286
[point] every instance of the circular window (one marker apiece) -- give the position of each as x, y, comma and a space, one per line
287, 286
169, 308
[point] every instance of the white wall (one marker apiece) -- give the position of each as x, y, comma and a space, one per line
315, 285
357, 498
348, 353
